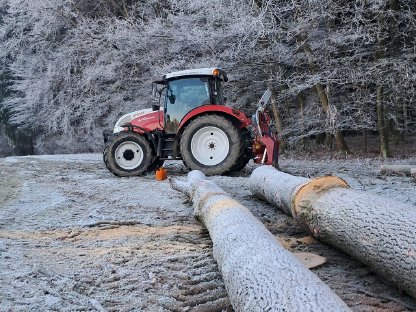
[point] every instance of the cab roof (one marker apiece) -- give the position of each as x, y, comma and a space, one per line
208, 71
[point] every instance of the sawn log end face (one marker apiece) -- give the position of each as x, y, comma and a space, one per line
314, 188
304, 197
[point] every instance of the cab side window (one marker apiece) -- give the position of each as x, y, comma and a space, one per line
183, 95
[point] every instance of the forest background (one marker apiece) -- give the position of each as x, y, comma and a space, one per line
338, 69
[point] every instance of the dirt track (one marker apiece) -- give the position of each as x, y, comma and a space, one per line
73, 237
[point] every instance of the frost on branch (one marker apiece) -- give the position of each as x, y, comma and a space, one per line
75, 67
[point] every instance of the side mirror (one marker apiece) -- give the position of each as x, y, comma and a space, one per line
155, 107
172, 99
154, 90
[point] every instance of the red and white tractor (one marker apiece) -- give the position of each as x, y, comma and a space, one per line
193, 125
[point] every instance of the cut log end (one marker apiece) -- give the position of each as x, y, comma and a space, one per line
314, 188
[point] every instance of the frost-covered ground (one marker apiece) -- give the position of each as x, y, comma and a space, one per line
74, 237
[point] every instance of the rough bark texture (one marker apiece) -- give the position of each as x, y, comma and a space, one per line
397, 169
377, 231
259, 274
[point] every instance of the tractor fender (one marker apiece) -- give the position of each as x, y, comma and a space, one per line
233, 114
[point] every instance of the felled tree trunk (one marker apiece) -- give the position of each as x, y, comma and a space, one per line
375, 230
397, 169
259, 274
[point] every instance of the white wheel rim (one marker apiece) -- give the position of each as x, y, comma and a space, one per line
210, 146
129, 155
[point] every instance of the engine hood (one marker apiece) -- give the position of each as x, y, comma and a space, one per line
129, 117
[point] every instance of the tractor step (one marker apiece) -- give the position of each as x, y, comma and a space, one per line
167, 147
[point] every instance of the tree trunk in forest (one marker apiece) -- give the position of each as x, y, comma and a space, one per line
287, 105
381, 124
405, 121
394, 49
329, 140
365, 140
377, 231
300, 100
323, 97
405, 118
339, 137
387, 47
259, 274
320, 138
341, 144
393, 25
397, 169
277, 118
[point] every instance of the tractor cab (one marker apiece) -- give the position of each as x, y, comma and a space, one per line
189, 89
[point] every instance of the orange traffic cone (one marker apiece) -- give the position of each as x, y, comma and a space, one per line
161, 174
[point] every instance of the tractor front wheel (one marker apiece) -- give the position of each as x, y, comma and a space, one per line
127, 154
212, 144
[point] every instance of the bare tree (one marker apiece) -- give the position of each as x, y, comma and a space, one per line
75, 66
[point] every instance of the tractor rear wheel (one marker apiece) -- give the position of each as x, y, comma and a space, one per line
127, 154
212, 144
246, 153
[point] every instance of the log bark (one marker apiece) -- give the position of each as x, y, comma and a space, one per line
377, 231
397, 169
259, 274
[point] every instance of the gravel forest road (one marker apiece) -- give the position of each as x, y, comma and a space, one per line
75, 238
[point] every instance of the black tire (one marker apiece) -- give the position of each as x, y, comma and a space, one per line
246, 153
107, 135
127, 154
243, 161
212, 144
